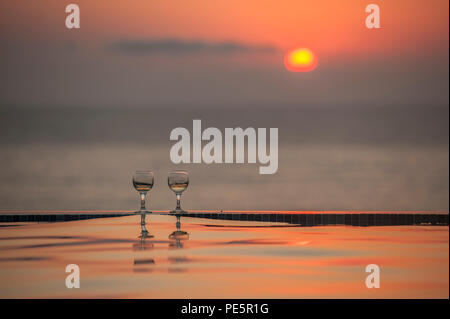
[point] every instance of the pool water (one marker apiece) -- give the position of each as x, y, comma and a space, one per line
209, 258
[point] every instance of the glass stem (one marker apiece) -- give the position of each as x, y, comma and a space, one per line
142, 200
144, 230
178, 202
178, 224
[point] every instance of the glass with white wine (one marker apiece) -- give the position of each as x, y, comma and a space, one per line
178, 181
143, 182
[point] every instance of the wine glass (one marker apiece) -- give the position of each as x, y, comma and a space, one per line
143, 182
178, 181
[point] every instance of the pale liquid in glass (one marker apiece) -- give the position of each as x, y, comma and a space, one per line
142, 187
178, 188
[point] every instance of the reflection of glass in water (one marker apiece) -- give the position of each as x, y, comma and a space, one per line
178, 235
143, 182
143, 245
178, 181
148, 261
142, 264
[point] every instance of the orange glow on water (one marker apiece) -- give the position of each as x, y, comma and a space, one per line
232, 259
300, 60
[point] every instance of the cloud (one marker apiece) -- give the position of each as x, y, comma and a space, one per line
175, 46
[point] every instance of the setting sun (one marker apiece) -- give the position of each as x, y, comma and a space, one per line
300, 60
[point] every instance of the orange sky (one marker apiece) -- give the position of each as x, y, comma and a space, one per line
327, 26
409, 52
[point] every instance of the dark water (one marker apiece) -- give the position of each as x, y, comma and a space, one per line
332, 125
334, 158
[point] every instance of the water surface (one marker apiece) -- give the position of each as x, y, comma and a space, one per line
221, 259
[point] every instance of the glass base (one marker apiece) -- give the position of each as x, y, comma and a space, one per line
146, 235
178, 212
142, 212
179, 234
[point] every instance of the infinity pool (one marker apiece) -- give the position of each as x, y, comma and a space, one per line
208, 258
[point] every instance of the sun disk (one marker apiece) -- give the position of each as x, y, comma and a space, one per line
300, 60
